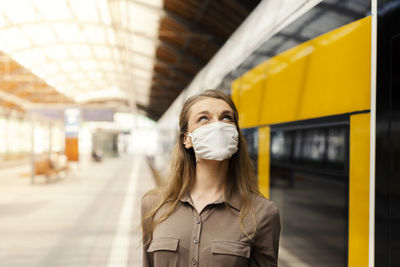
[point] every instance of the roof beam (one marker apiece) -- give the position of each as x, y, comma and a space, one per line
20, 78
195, 24
184, 23
181, 53
14, 99
168, 87
180, 72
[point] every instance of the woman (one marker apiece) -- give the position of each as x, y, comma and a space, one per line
210, 213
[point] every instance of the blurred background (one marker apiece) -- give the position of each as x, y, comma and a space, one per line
90, 95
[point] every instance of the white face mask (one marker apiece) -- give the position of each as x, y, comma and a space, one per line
215, 141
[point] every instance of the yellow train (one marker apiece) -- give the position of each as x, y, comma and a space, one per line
306, 115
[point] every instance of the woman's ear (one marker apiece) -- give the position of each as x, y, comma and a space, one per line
187, 141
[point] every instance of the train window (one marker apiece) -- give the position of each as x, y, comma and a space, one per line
336, 145
309, 184
281, 145
313, 150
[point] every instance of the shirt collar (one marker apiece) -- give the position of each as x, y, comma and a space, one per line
231, 198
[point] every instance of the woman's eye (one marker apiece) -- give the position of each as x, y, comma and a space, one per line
227, 118
202, 118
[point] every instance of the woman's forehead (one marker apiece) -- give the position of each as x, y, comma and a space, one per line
212, 105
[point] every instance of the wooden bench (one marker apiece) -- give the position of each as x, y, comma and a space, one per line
43, 166
49, 167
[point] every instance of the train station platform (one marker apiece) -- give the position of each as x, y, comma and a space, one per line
91, 217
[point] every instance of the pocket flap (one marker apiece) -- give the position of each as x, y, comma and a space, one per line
231, 247
166, 243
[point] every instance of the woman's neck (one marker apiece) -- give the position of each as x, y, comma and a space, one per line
209, 183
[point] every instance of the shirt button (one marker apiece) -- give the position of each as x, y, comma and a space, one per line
197, 221
194, 261
195, 241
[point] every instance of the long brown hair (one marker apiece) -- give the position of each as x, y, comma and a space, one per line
182, 172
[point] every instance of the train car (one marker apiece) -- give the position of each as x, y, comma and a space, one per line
306, 115
317, 105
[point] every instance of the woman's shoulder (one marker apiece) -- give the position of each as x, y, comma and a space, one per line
264, 206
151, 199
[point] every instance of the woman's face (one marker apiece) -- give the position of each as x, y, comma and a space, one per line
206, 111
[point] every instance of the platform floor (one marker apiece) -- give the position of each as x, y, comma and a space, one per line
89, 218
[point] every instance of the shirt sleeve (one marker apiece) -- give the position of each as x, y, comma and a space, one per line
266, 239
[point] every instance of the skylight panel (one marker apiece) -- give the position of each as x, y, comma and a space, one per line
60, 79
13, 39
53, 9
115, 54
110, 75
104, 12
73, 45
68, 32
68, 66
111, 37
49, 69
149, 29
119, 67
82, 51
36, 56
102, 52
140, 83
101, 83
143, 61
85, 11
41, 34
69, 89
95, 75
141, 13
3, 22
141, 73
84, 85
107, 66
95, 34
88, 65
77, 76
57, 52
21, 59
19, 11
143, 45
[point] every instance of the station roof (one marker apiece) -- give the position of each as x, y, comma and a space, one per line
134, 54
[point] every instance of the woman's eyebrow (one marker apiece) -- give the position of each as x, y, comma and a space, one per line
226, 111
202, 112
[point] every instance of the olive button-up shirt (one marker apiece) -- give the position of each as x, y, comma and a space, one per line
213, 238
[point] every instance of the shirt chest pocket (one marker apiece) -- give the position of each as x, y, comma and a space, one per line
164, 252
230, 254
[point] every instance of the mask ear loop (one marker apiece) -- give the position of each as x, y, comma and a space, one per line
188, 134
